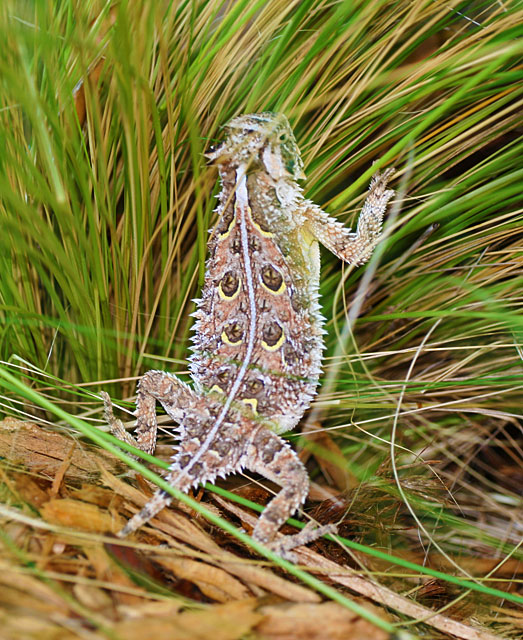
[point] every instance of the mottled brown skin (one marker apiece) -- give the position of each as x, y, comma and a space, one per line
258, 331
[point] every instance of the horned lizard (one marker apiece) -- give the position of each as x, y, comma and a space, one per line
258, 333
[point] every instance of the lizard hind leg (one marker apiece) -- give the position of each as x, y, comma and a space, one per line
159, 501
176, 397
272, 457
192, 414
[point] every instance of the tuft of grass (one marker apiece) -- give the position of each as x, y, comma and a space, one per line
105, 202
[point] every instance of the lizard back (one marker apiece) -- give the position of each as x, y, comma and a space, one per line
257, 337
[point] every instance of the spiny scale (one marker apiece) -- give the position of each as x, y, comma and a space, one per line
258, 343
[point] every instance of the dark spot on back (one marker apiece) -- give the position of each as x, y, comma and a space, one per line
254, 386
271, 277
272, 332
225, 221
234, 331
229, 283
289, 354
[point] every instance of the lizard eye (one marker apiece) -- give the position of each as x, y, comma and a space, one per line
283, 137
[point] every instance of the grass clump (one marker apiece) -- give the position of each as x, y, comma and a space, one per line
105, 202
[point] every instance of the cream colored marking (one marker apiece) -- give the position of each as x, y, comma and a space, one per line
227, 340
274, 293
236, 293
253, 403
276, 346
240, 205
224, 235
217, 389
265, 234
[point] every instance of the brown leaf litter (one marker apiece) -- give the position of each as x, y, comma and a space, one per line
63, 575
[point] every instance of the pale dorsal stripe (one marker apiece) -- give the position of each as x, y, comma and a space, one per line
241, 205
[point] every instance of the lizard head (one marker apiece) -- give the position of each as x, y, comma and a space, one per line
260, 141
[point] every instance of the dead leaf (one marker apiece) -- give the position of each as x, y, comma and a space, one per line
325, 621
213, 582
232, 621
79, 515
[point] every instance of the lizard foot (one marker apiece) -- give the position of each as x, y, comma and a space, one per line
284, 545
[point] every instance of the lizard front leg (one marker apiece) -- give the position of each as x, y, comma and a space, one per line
354, 248
272, 457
